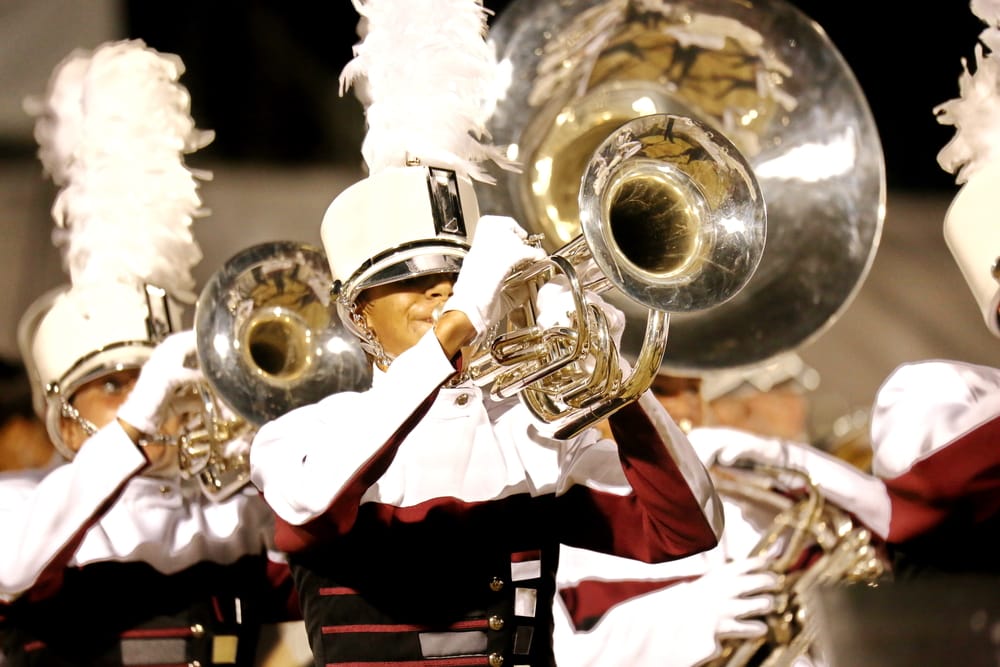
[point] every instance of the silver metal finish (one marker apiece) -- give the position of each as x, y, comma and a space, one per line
672, 218
268, 335
761, 73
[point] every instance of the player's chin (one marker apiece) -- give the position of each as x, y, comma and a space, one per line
420, 327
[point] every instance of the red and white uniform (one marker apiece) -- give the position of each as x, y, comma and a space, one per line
935, 501
106, 559
936, 444
423, 522
616, 611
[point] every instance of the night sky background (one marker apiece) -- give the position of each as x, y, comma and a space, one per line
263, 74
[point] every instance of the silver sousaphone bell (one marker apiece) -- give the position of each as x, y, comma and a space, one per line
763, 75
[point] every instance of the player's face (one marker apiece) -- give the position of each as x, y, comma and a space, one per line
400, 313
97, 401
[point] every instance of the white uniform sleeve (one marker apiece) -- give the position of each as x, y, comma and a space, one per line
42, 516
851, 489
304, 460
922, 407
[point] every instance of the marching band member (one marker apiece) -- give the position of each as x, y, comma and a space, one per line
24, 443
935, 423
932, 503
178, 578
617, 611
933, 497
422, 519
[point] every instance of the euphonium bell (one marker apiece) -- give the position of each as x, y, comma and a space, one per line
268, 340
671, 215
268, 335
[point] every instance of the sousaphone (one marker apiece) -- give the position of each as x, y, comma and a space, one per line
761, 73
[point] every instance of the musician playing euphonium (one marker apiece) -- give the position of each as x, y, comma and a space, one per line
931, 497
109, 556
935, 423
422, 519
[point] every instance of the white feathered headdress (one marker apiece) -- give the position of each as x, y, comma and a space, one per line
427, 79
975, 114
970, 225
112, 132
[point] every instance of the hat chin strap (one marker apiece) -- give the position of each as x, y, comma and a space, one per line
67, 411
369, 341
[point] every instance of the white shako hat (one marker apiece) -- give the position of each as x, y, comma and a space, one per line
400, 223
426, 77
972, 224
112, 128
972, 232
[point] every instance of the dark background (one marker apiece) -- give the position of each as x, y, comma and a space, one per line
263, 74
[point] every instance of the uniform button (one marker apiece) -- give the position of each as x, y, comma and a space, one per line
197, 630
196, 663
496, 623
165, 490
496, 660
462, 399
496, 584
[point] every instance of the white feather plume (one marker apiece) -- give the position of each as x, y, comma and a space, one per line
427, 78
975, 114
113, 130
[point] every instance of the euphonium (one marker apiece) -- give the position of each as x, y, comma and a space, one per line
268, 340
207, 447
672, 216
810, 543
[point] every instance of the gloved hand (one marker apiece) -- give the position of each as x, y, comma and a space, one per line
677, 626
730, 445
162, 374
556, 307
736, 593
498, 246
724, 603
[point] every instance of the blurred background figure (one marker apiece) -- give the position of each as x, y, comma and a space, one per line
24, 442
928, 510
183, 568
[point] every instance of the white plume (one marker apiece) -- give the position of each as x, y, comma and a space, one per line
427, 78
975, 114
112, 131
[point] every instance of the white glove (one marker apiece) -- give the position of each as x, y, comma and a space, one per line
556, 307
729, 445
162, 374
736, 593
497, 247
677, 626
